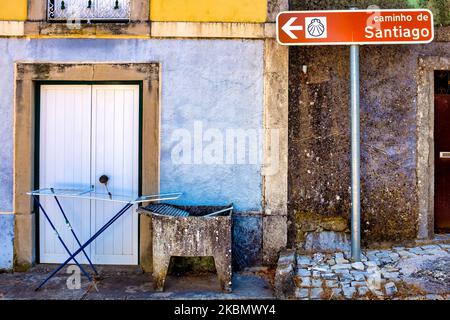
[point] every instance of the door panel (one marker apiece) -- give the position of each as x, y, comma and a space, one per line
87, 131
442, 162
115, 138
64, 158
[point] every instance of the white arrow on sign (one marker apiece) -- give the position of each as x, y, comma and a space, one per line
288, 28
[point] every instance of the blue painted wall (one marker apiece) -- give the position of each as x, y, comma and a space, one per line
6, 240
219, 82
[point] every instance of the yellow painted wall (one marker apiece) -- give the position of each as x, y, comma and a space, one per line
13, 9
209, 10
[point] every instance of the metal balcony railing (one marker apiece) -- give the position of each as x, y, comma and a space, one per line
88, 10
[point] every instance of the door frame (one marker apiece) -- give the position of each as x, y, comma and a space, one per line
37, 128
425, 141
26, 75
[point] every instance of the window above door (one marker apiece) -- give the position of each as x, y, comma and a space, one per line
88, 10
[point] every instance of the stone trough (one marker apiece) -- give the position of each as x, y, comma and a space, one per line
201, 231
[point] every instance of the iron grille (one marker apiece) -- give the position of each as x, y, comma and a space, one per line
88, 10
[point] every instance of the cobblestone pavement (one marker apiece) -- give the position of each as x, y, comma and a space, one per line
421, 272
130, 283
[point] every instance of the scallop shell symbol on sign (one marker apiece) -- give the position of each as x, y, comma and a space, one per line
316, 27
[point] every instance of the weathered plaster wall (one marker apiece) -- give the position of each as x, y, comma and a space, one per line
217, 82
6, 240
319, 147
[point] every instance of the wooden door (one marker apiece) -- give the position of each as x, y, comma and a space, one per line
64, 162
87, 131
115, 151
442, 162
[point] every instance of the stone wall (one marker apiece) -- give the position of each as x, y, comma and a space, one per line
319, 148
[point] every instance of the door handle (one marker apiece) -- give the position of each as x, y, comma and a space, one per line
444, 155
104, 180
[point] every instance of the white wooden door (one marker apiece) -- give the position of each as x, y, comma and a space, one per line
115, 150
87, 131
64, 162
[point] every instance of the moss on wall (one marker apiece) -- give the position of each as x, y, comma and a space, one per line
311, 222
440, 8
182, 265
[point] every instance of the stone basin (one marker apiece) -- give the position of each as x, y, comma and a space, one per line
196, 235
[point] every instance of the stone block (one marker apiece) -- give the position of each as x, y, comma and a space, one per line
305, 282
358, 283
329, 276
363, 290
349, 292
337, 224
274, 237
24, 241
331, 284
336, 292
358, 276
303, 261
339, 258
303, 273
316, 283
327, 241
390, 288
302, 293
345, 266
284, 283
321, 268
358, 266
192, 236
316, 293
287, 257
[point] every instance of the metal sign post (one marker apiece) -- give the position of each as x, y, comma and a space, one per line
355, 142
355, 27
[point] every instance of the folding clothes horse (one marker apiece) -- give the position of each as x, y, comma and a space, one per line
90, 194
